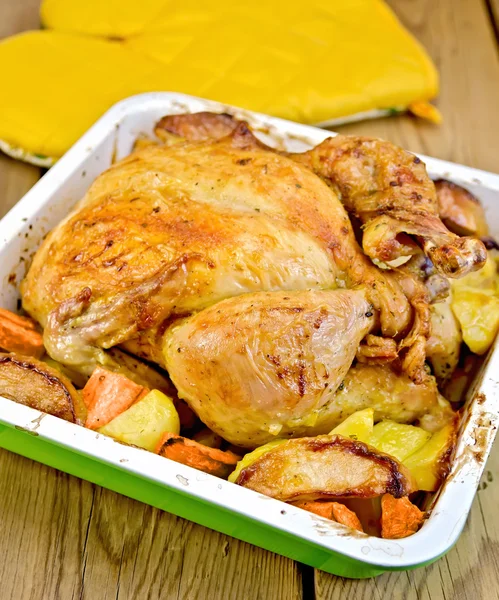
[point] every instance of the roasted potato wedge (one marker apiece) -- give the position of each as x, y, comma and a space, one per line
358, 426
444, 345
460, 210
325, 467
430, 464
475, 302
33, 383
398, 439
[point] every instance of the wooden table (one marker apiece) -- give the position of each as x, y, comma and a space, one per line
65, 538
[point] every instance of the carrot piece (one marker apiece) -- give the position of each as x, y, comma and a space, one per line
323, 509
106, 395
191, 453
345, 516
399, 517
332, 510
19, 334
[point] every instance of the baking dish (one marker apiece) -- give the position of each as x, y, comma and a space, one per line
187, 492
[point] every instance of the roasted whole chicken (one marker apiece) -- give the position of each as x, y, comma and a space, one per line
267, 284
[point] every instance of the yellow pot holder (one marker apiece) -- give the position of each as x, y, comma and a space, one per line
321, 61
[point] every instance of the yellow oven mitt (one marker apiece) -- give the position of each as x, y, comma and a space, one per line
317, 61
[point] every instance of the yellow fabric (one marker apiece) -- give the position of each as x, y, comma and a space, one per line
308, 62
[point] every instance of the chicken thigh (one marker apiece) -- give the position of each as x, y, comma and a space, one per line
263, 365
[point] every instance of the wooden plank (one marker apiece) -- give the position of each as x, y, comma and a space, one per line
43, 523
460, 39
135, 551
18, 16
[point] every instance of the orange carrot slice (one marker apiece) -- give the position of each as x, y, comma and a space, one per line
323, 509
331, 510
191, 453
106, 395
19, 334
345, 516
399, 517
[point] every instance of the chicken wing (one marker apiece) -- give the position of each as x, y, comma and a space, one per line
389, 190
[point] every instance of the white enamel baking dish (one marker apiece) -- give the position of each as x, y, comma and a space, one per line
177, 488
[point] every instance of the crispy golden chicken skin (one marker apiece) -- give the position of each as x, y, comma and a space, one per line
211, 220
384, 186
171, 230
326, 467
263, 365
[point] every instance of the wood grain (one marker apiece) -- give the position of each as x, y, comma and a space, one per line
459, 36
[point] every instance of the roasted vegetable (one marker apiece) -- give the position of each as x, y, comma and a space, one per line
185, 451
107, 395
429, 465
358, 426
332, 510
20, 334
145, 422
475, 302
425, 455
443, 348
399, 517
325, 467
249, 458
478, 314
29, 381
397, 439
461, 212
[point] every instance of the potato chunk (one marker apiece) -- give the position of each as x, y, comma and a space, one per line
358, 426
33, 383
475, 302
327, 466
144, 423
397, 439
478, 314
429, 465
